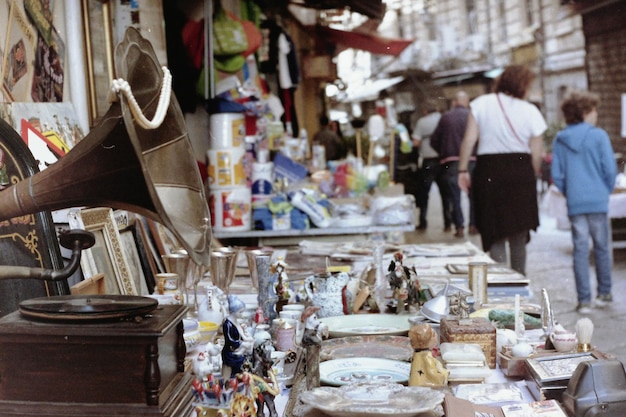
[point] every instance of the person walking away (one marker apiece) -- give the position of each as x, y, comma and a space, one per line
446, 140
428, 167
508, 161
334, 145
584, 170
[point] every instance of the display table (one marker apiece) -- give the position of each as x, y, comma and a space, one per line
294, 236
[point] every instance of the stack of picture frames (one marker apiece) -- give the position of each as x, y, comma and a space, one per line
128, 249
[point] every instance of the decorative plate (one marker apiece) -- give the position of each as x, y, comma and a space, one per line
373, 400
367, 324
375, 346
345, 371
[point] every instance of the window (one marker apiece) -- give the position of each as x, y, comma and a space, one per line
530, 12
502, 19
472, 18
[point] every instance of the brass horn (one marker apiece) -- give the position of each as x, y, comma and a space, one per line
120, 164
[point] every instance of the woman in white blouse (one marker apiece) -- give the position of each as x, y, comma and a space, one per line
508, 131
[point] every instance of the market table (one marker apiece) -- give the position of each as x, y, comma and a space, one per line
433, 264
294, 236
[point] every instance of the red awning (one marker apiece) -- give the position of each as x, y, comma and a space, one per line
370, 42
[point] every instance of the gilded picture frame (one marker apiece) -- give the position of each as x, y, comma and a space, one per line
107, 255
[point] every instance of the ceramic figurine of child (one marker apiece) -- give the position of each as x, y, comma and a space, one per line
238, 343
314, 332
426, 370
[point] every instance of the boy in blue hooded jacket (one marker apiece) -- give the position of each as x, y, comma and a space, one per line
584, 170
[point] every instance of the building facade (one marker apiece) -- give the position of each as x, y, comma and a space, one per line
464, 44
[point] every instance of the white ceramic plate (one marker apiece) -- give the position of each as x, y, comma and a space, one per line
345, 371
367, 324
372, 346
373, 400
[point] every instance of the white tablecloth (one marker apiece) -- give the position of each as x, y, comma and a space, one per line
554, 204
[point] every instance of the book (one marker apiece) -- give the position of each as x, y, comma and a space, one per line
547, 408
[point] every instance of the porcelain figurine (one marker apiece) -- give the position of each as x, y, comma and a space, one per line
208, 361
404, 283
459, 306
426, 370
262, 364
238, 344
314, 332
282, 289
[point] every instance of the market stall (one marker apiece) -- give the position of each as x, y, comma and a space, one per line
498, 356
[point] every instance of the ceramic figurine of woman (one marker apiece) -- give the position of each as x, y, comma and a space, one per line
314, 332
238, 343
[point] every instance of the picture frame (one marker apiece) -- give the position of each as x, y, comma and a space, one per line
148, 264
557, 369
154, 256
129, 245
99, 51
107, 255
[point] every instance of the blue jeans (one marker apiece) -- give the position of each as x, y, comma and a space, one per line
451, 172
596, 226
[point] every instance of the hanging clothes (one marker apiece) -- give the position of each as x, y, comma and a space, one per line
288, 79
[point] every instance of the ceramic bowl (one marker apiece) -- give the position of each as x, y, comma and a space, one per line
208, 331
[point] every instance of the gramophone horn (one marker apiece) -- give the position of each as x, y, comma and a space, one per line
119, 164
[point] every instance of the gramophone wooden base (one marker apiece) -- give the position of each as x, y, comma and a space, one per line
124, 368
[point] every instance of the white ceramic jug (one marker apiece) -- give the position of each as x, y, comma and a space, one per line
325, 291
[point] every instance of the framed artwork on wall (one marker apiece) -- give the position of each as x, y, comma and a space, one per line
107, 256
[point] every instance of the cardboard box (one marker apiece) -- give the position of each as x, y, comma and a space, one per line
458, 407
480, 332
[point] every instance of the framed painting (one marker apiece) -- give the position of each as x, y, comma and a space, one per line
129, 245
107, 256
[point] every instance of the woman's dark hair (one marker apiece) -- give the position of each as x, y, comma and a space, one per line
514, 81
577, 104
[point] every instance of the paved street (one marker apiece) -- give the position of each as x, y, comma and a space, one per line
549, 266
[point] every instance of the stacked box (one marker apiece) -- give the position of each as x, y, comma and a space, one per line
480, 332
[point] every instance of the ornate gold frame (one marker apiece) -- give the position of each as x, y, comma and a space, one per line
107, 255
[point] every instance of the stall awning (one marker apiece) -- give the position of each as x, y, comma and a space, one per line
368, 91
365, 41
374, 9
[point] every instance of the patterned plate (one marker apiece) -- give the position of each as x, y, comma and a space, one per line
345, 371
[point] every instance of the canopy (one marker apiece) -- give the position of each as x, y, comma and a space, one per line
366, 41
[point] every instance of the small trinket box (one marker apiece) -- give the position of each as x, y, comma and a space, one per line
480, 332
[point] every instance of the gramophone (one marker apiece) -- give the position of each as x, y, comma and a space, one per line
67, 355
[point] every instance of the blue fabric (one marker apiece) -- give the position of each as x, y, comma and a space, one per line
596, 226
584, 168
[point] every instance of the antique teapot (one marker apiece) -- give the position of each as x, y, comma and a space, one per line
326, 291
214, 306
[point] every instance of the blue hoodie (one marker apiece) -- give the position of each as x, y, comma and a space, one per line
584, 168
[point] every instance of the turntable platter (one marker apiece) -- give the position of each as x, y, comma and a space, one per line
86, 307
